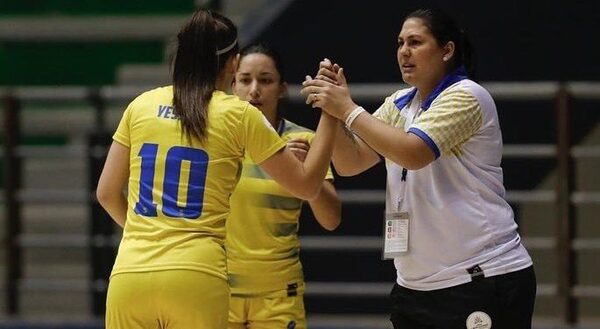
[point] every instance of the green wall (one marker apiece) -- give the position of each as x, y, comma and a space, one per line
80, 63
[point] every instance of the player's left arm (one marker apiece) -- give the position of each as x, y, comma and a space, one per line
327, 207
112, 182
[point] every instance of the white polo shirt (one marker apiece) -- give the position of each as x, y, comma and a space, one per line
458, 216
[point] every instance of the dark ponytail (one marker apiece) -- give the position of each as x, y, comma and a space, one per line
204, 45
445, 29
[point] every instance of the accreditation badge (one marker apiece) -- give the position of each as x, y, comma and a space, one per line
395, 235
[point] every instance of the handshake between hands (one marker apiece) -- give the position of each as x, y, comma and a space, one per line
329, 90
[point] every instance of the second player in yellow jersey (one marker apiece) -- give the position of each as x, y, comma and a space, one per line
265, 273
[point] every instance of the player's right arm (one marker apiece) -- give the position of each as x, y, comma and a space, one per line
112, 182
304, 179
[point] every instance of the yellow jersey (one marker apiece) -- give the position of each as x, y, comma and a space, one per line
179, 188
262, 241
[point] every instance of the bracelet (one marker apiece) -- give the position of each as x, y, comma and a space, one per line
353, 115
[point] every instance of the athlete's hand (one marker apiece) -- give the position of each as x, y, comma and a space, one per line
328, 71
299, 147
332, 98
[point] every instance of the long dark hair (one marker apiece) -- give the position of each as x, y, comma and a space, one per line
204, 45
445, 29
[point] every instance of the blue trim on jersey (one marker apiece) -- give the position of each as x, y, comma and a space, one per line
405, 99
458, 75
426, 139
281, 128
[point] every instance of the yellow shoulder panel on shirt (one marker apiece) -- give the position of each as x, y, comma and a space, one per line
453, 118
389, 113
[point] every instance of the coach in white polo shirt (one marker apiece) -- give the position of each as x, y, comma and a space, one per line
459, 259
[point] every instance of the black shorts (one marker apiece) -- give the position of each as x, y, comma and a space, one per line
504, 300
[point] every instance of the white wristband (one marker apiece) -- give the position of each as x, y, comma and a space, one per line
353, 115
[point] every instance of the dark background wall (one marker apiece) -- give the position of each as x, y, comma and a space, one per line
515, 39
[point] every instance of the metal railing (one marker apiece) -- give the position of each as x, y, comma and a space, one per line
102, 239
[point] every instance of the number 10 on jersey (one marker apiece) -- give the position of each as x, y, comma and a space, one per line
176, 155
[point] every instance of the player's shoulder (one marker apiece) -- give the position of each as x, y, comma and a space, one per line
160, 95
225, 98
159, 92
227, 104
295, 130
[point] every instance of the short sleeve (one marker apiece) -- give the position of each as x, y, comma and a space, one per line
388, 112
451, 120
384, 112
122, 134
261, 140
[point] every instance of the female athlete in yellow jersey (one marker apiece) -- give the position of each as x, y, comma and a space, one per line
265, 273
179, 151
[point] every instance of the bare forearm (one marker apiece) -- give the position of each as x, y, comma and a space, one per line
314, 167
406, 150
116, 207
351, 155
113, 181
304, 180
333, 96
327, 207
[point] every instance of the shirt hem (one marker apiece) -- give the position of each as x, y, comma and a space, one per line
461, 279
167, 268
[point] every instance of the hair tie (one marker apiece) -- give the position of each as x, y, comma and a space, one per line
226, 49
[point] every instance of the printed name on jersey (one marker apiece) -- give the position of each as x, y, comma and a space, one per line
165, 111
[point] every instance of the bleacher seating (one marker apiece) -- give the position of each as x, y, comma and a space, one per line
347, 280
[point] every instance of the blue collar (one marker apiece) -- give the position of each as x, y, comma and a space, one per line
281, 127
452, 78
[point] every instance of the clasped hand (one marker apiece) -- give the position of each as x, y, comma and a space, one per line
329, 90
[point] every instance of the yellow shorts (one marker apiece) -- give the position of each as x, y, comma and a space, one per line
267, 312
173, 299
